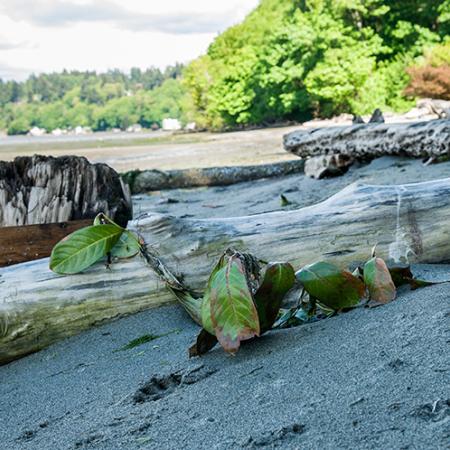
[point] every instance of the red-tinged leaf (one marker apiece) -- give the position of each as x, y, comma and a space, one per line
278, 280
401, 275
205, 342
233, 312
330, 285
206, 321
379, 281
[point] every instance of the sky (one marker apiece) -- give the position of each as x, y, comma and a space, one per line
51, 35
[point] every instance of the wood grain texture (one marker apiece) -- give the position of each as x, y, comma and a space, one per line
367, 141
43, 189
30, 242
154, 180
408, 222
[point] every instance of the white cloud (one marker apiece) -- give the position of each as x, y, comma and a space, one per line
50, 35
61, 13
13, 73
6, 44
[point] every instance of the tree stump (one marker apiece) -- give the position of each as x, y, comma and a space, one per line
44, 189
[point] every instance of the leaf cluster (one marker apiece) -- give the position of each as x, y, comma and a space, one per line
243, 297
84, 247
241, 303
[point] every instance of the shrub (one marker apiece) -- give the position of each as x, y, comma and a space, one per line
18, 126
429, 81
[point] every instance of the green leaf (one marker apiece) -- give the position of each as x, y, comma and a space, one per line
278, 280
233, 312
294, 317
379, 281
84, 247
99, 219
127, 246
206, 314
330, 285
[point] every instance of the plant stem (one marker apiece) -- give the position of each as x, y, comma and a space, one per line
191, 302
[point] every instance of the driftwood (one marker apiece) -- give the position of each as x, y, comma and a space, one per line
41, 189
435, 106
155, 180
408, 222
367, 141
29, 242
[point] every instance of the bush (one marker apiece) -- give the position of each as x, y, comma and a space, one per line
438, 55
18, 126
430, 81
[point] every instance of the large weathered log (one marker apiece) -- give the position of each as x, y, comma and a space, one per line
368, 141
155, 180
408, 222
43, 189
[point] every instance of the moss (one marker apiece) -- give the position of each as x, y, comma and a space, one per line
130, 177
144, 340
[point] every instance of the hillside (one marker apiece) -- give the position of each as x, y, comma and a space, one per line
100, 101
292, 59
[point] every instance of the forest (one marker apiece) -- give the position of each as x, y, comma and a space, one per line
99, 101
289, 60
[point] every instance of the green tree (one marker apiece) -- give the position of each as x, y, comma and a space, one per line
290, 59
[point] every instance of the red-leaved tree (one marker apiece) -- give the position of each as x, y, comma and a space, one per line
430, 82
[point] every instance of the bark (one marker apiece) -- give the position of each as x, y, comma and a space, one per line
41, 189
367, 141
155, 180
408, 222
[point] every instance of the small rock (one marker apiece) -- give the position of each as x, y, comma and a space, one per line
357, 119
377, 116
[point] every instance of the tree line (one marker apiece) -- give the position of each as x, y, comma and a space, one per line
100, 101
288, 60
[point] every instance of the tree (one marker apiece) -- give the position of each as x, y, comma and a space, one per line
290, 59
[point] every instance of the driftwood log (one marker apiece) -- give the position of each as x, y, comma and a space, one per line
155, 180
367, 141
408, 222
43, 189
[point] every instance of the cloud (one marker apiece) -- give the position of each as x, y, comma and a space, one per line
8, 72
59, 13
5, 44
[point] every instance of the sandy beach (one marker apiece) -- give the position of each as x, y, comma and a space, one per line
370, 378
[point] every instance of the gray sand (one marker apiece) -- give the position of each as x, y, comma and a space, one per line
367, 379
264, 195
